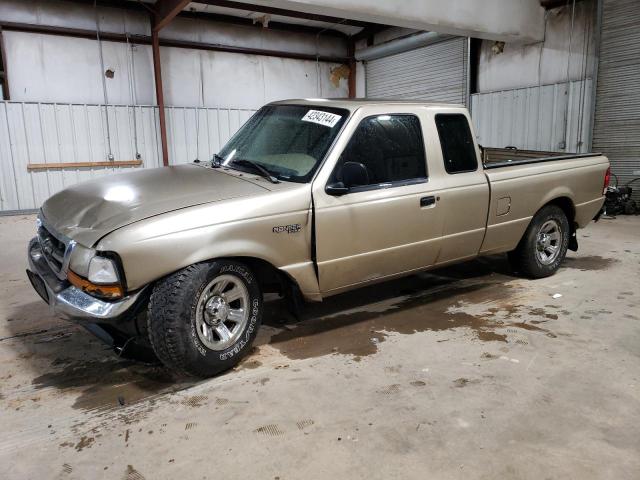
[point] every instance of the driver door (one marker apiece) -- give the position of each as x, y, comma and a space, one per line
387, 224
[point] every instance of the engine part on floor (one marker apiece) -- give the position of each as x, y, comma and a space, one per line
618, 200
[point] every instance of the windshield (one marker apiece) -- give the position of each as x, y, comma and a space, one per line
289, 141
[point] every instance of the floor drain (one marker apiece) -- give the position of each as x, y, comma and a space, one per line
270, 430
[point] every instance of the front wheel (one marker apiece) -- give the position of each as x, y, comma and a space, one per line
544, 244
204, 318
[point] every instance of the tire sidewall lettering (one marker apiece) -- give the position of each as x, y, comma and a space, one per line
238, 270
242, 342
246, 338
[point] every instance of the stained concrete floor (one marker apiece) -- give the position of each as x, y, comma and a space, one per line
466, 372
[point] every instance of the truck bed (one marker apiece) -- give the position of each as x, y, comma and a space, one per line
504, 157
519, 187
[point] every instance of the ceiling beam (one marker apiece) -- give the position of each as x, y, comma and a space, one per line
369, 31
284, 12
167, 10
249, 22
548, 4
215, 17
164, 42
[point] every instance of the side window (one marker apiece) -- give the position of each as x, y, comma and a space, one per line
458, 152
390, 148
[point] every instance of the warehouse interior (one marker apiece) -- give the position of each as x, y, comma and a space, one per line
92, 88
79, 83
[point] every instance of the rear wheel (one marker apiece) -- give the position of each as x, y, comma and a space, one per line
204, 318
544, 244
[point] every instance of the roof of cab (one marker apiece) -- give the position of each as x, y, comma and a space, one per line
353, 103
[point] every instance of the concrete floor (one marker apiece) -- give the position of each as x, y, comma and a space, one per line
467, 372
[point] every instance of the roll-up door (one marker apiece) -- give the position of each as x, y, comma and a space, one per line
437, 72
617, 118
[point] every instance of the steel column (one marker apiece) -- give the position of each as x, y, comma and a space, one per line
157, 73
351, 50
5, 74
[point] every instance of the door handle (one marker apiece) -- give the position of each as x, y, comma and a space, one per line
427, 201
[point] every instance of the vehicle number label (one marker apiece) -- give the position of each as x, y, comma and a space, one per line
322, 118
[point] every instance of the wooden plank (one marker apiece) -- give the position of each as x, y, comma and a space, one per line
50, 166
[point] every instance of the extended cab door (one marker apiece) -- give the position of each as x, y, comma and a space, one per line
391, 221
464, 198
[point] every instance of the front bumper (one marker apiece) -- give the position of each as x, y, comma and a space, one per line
72, 303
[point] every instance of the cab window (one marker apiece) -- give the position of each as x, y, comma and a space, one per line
391, 150
458, 151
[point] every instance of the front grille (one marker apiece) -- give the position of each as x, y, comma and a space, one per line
52, 249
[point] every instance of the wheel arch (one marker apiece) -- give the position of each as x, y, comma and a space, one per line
569, 209
270, 278
567, 206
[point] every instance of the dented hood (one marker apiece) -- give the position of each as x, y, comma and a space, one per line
88, 211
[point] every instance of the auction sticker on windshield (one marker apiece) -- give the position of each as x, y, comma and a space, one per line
322, 118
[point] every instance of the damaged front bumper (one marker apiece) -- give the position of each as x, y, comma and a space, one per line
72, 303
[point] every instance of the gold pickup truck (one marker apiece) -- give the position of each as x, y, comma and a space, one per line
309, 198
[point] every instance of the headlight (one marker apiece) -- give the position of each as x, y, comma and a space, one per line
102, 279
102, 271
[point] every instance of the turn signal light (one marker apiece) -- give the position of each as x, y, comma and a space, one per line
111, 291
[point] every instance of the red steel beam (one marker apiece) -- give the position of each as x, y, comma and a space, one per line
157, 73
165, 11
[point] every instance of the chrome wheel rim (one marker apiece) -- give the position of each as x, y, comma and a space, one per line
548, 242
222, 312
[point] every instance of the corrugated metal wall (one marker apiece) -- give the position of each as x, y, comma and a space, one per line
53, 133
617, 117
436, 73
535, 118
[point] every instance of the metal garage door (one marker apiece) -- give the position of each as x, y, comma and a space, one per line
617, 120
437, 72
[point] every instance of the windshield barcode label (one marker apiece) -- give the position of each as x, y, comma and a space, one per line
322, 118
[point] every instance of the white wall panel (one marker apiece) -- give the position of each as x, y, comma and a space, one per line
543, 63
535, 118
51, 68
74, 15
54, 133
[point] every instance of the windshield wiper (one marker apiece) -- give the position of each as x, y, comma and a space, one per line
263, 171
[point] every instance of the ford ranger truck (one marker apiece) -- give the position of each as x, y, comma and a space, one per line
309, 198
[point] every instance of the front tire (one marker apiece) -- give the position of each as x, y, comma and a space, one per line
544, 244
204, 318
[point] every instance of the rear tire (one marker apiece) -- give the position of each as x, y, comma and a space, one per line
204, 318
544, 244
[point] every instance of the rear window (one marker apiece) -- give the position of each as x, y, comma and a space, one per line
458, 151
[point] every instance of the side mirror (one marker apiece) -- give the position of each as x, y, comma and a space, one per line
336, 189
354, 174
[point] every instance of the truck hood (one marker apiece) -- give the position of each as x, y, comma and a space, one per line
88, 211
